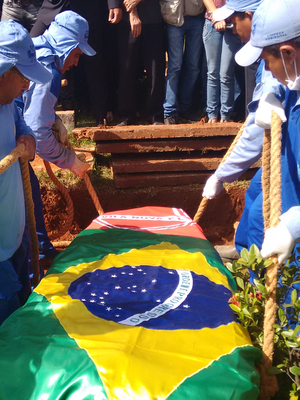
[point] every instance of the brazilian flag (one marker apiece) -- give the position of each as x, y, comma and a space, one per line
129, 314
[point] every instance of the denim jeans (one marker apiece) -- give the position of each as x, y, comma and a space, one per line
220, 48
184, 49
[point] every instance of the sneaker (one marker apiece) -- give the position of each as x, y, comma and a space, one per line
170, 120
158, 123
124, 122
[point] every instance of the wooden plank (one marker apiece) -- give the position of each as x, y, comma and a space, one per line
168, 179
133, 132
145, 146
154, 162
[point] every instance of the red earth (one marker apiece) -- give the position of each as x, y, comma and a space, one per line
218, 221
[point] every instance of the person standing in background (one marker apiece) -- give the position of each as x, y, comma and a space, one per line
141, 32
220, 45
185, 20
102, 17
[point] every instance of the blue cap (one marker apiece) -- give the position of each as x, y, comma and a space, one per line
275, 21
17, 49
74, 29
233, 6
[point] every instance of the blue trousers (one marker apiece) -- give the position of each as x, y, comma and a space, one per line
14, 281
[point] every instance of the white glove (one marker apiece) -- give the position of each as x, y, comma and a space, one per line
79, 167
212, 187
268, 103
278, 241
61, 129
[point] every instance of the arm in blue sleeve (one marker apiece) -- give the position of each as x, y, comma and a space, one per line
291, 219
21, 127
39, 114
245, 153
249, 146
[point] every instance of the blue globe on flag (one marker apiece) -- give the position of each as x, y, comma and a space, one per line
153, 297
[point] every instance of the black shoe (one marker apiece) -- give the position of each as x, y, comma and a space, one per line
171, 120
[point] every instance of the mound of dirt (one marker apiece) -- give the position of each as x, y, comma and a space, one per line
218, 221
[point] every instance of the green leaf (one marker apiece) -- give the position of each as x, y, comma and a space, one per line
268, 263
240, 282
295, 370
260, 286
256, 251
289, 333
229, 267
246, 312
281, 315
273, 371
245, 255
294, 296
235, 308
296, 330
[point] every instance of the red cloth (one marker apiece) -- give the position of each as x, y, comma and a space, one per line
164, 220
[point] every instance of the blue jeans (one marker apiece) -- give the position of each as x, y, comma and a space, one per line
220, 48
14, 281
181, 63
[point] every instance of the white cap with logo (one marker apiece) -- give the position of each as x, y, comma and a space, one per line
275, 21
233, 6
17, 50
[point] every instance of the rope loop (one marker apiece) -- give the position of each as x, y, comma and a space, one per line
204, 201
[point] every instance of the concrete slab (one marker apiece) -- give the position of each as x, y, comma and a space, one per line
68, 118
158, 145
133, 132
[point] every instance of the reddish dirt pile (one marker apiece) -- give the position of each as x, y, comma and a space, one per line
218, 222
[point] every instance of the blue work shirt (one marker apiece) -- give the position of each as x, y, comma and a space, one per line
12, 203
40, 100
248, 149
251, 227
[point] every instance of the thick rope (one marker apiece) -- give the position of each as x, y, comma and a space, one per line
31, 221
70, 212
5, 163
266, 164
204, 201
93, 194
269, 384
63, 190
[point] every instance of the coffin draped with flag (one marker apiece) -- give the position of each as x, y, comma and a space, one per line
135, 308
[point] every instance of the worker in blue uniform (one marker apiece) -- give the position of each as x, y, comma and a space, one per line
18, 65
58, 49
275, 37
248, 149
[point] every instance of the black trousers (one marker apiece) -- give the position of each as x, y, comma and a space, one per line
150, 46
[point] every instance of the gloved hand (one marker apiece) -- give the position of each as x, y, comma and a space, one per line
61, 129
266, 105
278, 241
79, 167
212, 187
